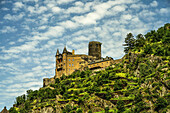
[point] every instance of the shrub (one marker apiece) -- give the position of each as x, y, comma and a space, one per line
160, 104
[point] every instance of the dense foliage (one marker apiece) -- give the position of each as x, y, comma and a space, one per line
140, 83
154, 42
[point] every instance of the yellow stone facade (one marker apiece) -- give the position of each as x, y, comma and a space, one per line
68, 62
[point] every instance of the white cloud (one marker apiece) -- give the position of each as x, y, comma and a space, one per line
154, 4
56, 9
42, 27
26, 27
117, 34
5, 9
88, 19
31, 9
28, 46
14, 17
127, 17
80, 38
37, 68
80, 7
164, 10
69, 24
119, 8
138, 6
39, 38
55, 31
37, 10
11, 43
8, 29
147, 14
25, 60
17, 6
41, 9
64, 1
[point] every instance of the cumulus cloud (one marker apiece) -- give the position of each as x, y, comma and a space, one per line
14, 17
119, 8
56, 9
127, 17
5, 9
37, 10
69, 24
8, 29
164, 10
64, 1
80, 7
28, 46
154, 4
55, 31
17, 6
80, 38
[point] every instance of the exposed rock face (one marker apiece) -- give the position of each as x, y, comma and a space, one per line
48, 81
5, 110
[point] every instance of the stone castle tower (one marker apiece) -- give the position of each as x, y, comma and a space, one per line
95, 49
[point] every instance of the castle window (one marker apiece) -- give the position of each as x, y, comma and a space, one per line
64, 59
69, 59
69, 69
73, 59
72, 64
69, 64
64, 64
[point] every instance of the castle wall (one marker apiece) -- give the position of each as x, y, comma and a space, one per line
70, 63
102, 64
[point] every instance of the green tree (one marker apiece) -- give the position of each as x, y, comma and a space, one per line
140, 40
129, 42
13, 110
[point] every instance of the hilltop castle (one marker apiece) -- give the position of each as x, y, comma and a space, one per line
68, 62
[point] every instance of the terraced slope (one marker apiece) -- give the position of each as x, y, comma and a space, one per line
140, 83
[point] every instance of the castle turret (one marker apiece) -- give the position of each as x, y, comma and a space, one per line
95, 49
57, 52
65, 50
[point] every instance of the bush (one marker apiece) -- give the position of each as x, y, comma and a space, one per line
79, 110
160, 104
13, 110
120, 106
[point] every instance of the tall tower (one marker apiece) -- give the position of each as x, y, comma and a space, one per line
95, 49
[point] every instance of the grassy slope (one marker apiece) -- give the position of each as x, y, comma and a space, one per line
140, 83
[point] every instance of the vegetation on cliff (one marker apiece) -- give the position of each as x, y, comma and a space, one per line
140, 83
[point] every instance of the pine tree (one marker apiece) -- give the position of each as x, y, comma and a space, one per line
129, 42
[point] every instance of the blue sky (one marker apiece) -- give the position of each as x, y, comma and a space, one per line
32, 30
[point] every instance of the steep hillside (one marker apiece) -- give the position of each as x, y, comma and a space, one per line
140, 83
